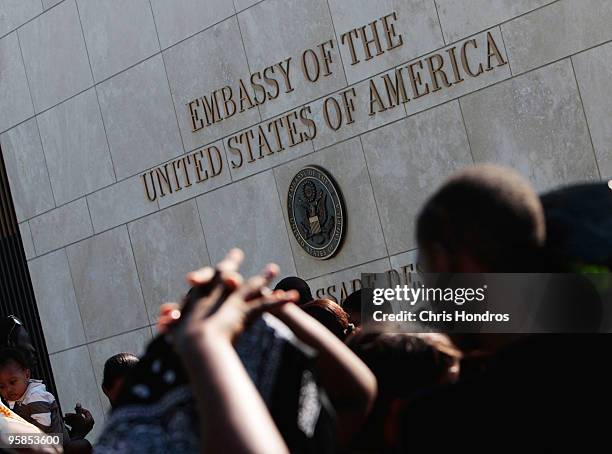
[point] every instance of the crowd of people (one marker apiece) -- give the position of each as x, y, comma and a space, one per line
239, 368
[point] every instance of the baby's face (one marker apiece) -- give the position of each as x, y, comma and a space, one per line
13, 381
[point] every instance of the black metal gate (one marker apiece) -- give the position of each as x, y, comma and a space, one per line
16, 293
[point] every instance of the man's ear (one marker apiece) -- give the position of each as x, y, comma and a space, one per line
28, 374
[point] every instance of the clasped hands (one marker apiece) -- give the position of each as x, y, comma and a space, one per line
221, 303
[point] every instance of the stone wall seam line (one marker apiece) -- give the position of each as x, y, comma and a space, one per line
51, 107
31, 238
34, 245
25, 70
280, 164
510, 19
586, 120
37, 128
227, 161
586, 49
178, 126
331, 19
98, 385
203, 232
280, 199
501, 33
102, 339
193, 34
248, 7
365, 160
106, 229
467, 134
17, 124
404, 252
89, 87
66, 245
31, 19
369, 262
435, 2
246, 57
93, 231
178, 42
95, 87
105, 134
76, 299
144, 302
85, 42
42, 147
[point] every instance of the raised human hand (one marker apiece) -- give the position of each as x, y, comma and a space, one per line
220, 302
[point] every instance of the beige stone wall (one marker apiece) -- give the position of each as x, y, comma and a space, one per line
93, 96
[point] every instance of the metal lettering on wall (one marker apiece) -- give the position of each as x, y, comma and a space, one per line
338, 290
316, 212
424, 76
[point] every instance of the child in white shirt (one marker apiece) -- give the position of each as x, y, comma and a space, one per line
27, 397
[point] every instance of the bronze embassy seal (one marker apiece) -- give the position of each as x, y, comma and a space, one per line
316, 212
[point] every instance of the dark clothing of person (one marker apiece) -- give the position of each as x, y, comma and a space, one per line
156, 411
543, 390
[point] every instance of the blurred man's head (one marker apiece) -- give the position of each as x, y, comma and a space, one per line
116, 369
485, 218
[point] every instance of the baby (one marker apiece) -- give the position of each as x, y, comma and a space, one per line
28, 398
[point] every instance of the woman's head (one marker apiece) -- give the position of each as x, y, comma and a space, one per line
14, 375
331, 315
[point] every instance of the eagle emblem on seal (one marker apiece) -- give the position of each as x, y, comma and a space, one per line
316, 212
